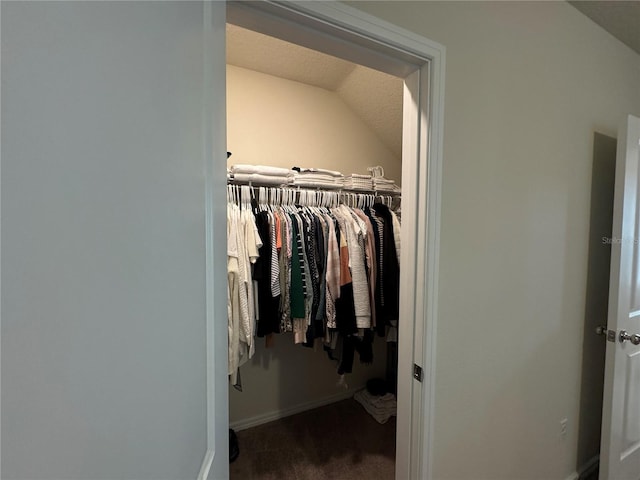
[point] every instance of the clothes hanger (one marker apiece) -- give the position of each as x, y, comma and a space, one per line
248, 195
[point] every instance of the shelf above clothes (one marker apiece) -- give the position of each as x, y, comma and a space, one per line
313, 179
272, 190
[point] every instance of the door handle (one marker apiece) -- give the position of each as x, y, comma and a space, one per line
624, 336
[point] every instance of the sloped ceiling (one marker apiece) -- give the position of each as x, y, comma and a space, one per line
374, 96
620, 18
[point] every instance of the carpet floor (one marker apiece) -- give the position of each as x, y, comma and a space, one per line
340, 441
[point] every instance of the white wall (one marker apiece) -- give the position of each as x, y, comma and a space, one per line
273, 121
103, 296
279, 122
527, 85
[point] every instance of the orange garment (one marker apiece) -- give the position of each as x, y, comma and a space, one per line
345, 272
278, 232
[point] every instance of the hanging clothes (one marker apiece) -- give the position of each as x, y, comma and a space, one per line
243, 243
387, 293
329, 273
266, 275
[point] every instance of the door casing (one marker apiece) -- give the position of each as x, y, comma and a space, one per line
348, 33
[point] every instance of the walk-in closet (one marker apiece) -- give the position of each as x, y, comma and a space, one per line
310, 132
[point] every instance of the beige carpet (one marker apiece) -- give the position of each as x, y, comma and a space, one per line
337, 442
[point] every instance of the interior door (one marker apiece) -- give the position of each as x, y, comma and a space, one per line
112, 118
620, 448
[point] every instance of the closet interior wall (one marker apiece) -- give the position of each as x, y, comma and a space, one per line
279, 122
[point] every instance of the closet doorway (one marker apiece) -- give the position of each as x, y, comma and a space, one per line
346, 33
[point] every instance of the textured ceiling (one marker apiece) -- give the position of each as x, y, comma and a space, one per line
374, 96
620, 19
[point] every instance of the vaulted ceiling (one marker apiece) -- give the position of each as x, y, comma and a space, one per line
374, 96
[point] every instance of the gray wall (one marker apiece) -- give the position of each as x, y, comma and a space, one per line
527, 85
103, 299
103, 356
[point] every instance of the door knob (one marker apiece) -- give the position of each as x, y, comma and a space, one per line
624, 336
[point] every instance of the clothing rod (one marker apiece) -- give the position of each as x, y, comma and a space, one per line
297, 188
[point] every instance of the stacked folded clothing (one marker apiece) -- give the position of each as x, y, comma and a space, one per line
318, 177
385, 185
262, 175
311, 178
379, 407
358, 182
380, 183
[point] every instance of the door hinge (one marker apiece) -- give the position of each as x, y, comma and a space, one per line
417, 372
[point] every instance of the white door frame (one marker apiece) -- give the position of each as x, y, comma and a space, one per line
348, 33
215, 464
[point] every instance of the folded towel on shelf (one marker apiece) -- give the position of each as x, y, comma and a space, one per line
310, 178
385, 185
379, 407
388, 189
258, 179
358, 182
320, 176
301, 182
382, 181
262, 170
322, 171
320, 181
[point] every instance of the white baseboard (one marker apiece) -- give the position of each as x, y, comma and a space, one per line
285, 412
